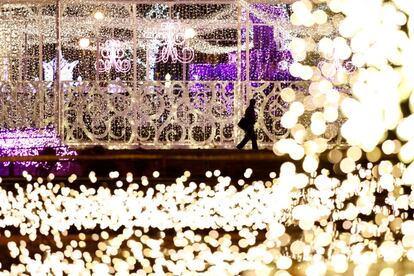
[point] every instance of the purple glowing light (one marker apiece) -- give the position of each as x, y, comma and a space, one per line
264, 65
32, 142
265, 60
273, 12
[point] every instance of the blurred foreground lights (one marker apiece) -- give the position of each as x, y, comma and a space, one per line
339, 263
129, 177
114, 174
284, 262
248, 173
288, 94
50, 177
92, 177
156, 174
72, 178
311, 203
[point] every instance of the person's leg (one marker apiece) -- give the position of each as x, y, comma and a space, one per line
244, 141
254, 140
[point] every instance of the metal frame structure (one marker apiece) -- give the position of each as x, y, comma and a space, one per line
145, 113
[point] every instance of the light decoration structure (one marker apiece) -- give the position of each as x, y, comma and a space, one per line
351, 219
113, 56
172, 42
158, 11
66, 69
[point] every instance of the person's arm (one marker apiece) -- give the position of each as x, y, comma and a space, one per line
253, 115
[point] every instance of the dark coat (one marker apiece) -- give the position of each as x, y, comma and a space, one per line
250, 117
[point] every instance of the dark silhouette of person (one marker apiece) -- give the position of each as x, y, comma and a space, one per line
248, 126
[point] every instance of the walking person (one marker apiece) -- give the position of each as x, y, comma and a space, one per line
247, 124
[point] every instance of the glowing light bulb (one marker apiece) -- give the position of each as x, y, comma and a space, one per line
189, 33
99, 15
84, 43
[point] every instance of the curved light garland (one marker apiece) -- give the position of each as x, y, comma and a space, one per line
171, 38
113, 55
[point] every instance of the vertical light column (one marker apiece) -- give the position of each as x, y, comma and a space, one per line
41, 85
40, 25
21, 39
239, 40
134, 64
147, 76
184, 64
97, 41
247, 46
24, 55
238, 95
134, 44
58, 93
97, 56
